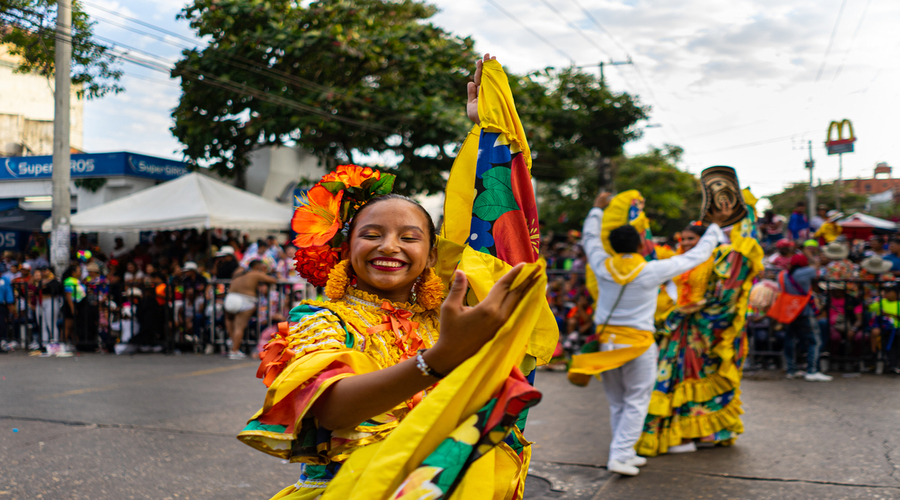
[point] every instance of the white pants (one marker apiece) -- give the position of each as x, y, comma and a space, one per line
51, 310
628, 389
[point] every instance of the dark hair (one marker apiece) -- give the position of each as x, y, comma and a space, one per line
432, 232
70, 271
254, 262
698, 230
625, 239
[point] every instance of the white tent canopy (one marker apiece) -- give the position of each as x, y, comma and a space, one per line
858, 219
191, 201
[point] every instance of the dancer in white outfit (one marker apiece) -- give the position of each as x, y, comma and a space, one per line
628, 291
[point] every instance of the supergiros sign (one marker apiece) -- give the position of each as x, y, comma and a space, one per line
840, 144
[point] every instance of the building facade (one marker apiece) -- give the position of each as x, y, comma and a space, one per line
26, 112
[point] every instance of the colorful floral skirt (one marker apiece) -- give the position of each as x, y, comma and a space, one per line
697, 391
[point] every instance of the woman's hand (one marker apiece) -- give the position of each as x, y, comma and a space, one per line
464, 330
472, 90
602, 200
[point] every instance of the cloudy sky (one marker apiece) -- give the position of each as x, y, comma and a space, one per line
741, 83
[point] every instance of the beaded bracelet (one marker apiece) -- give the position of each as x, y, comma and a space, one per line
426, 370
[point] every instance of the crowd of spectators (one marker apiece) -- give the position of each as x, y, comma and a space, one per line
119, 297
854, 308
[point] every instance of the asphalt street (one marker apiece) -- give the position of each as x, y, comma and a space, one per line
163, 427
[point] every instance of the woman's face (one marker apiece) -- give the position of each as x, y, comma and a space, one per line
389, 249
689, 240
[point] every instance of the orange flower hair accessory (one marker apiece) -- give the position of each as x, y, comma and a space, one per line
323, 213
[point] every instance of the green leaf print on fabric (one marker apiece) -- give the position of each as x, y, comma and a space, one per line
497, 199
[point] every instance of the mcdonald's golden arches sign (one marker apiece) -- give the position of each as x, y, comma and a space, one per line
840, 144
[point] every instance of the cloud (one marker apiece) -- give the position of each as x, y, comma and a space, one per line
744, 69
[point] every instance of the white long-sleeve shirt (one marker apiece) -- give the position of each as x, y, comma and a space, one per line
638, 303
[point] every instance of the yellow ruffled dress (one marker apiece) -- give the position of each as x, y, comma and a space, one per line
462, 439
702, 345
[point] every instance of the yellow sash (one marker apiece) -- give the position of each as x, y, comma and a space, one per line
595, 363
624, 268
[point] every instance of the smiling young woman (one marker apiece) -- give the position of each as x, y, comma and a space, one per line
344, 373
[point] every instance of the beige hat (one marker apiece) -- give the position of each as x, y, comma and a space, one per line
876, 265
836, 250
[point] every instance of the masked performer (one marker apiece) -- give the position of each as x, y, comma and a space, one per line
702, 342
623, 349
388, 390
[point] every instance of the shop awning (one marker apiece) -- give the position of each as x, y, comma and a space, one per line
18, 219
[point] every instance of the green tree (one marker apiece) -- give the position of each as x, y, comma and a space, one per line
28, 28
333, 77
786, 201
573, 121
672, 195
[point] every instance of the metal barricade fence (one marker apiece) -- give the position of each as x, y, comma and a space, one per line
869, 341
853, 330
164, 316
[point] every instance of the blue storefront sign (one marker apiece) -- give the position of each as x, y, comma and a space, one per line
94, 165
9, 240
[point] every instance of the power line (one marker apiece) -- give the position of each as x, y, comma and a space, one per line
535, 33
837, 23
600, 26
236, 87
636, 67
272, 72
576, 28
852, 40
755, 143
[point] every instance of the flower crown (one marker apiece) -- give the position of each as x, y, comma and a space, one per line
323, 214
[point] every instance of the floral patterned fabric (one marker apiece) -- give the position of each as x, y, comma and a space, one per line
701, 350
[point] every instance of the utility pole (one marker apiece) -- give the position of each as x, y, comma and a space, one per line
811, 195
837, 184
604, 171
61, 210
602, 64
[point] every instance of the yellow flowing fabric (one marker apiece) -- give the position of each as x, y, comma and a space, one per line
598, 362
625, 268
497, 113
376, 471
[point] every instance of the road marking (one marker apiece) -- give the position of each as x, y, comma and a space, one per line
197, 373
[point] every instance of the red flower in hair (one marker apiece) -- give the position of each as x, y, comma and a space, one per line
314, 263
